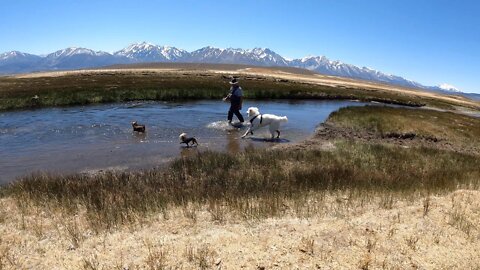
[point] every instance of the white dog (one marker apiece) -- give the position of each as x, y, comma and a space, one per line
258, 120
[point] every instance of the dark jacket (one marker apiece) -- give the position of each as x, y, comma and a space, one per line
236, 98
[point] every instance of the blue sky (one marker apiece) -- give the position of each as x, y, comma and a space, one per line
429, 41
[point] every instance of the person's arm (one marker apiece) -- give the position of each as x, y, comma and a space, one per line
228, 96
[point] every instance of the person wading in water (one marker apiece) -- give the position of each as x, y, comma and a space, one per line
235, 96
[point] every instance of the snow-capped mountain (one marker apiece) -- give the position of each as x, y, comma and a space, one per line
256, 56
74, 51
206, 54
448, 87
323, 65
10, 56
147, 52
15, 62
268, 56
75, 58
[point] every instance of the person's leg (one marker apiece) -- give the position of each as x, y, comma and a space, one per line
230, 116
239, 115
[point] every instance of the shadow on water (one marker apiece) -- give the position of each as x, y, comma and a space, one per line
274, 140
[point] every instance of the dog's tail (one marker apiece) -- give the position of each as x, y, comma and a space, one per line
283, 119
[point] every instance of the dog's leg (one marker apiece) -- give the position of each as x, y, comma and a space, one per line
248, 131
278, 131
272, 130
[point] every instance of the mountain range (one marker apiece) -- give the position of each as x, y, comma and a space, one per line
77, 58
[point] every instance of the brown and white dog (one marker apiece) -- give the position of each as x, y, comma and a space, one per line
258, 120
187, 140
137, 127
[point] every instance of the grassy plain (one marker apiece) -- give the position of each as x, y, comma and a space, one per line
189, 82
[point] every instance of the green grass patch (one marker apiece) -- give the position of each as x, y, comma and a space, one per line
456, 128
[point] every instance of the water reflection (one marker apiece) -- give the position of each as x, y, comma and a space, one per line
233, 143
139, 137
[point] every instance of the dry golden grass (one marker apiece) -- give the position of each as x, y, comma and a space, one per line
338, 232
252, 184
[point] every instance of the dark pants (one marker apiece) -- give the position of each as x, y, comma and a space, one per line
237, 113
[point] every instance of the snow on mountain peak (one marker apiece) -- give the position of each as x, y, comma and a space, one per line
448, 87
172, 53
75, 50
136, 47
11, 54
312, 58
146, 50
260, 52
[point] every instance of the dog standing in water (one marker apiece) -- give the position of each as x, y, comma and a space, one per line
187, 140
137, 127
258, 120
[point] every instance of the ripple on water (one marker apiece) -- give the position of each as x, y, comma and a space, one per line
221, 125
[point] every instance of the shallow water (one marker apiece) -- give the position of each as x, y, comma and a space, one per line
100, 137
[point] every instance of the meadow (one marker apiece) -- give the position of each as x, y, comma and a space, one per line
118, 86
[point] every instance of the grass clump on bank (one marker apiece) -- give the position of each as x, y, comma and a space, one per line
256, 183
458, 129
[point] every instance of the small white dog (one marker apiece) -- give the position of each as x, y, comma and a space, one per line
258, 120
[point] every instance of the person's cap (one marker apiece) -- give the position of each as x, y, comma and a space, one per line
234, 81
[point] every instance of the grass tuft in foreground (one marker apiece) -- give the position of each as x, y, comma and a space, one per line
255, 183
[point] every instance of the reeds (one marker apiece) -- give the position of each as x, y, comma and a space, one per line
253, 184
452, 130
